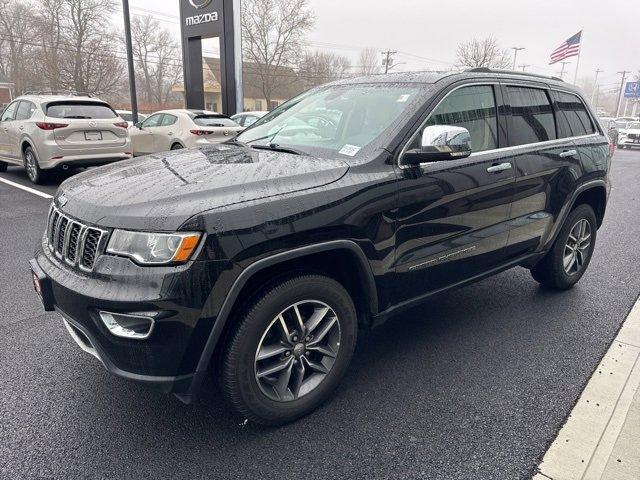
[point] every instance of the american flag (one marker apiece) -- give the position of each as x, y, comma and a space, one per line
570, 48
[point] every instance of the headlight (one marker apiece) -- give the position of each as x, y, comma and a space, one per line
153, 248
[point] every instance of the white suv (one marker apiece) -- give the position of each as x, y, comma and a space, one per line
42, 132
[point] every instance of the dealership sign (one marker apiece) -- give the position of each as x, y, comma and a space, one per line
632, 90
204, 18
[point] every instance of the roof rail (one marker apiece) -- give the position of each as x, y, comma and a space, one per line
69, 93
512, 72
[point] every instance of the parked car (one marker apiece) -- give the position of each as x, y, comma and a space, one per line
127, 116
257, 260
246, 119
175, 129
43, 132
629, 136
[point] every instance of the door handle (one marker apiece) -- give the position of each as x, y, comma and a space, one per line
500, 167
170, 133
568, 153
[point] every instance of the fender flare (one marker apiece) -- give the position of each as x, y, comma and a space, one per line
230, 300
564, 212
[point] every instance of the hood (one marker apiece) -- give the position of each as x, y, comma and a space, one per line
161, 191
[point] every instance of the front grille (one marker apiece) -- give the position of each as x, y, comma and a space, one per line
72, 241
634, 136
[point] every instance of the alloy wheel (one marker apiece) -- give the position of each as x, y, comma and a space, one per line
32, 167
297, 350
576, 250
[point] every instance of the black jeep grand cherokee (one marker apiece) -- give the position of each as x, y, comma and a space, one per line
258, 258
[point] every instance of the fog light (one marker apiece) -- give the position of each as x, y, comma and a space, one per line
136, 327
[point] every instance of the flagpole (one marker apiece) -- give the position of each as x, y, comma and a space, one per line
575, 76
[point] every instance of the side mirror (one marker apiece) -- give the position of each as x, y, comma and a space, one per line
139, 125
439, 143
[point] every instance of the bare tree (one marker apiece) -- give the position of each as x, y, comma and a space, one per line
317, 68
17, 60
91, 65
483, 52
156, 56
272, 37
369, 61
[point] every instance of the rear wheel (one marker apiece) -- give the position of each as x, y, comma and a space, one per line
34, 172
571, 253
290, 350
176, 146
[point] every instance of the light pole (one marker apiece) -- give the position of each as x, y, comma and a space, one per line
624, 77
515, 54
562, 71
595, 85
387, 60
523, 66
132, 75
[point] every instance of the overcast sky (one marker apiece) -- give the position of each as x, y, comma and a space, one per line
427, 32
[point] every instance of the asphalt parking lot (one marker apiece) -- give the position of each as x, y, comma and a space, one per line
473, 384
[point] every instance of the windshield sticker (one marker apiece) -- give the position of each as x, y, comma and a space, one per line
403, 98
350, 150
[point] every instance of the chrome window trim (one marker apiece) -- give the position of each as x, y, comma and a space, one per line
501, 149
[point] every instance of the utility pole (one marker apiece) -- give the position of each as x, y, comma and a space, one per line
595, 85
515, 54
387, 61
523, 66
132, 75
624, 77
562, 71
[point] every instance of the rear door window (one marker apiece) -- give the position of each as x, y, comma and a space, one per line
574, 118
80, 110
532, 118
25, 110
168, 120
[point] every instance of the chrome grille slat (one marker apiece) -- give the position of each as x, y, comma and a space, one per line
74, 242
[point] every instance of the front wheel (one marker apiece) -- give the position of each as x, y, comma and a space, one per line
176, 146
3, 166
34, 172
290, 350
571, 253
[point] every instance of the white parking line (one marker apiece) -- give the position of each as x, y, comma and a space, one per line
26, 189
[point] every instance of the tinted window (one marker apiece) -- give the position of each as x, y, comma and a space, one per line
531, 116
473, 108
168, 120
80, 110
575, 118
212, 121
153, 120
9, 112
25, 110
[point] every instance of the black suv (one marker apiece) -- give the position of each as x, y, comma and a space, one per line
258, 259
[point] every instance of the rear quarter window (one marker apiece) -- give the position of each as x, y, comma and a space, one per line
80, 110
574, 118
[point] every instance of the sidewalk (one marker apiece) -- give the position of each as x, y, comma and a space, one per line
601, 438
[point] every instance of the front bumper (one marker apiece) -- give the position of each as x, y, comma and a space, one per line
174, 296
629, 142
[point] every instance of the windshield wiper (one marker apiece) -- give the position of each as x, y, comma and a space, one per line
274, 147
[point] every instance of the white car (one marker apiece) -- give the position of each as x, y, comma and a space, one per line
174, 129
629, 136
44, 132
246, 119
127, 116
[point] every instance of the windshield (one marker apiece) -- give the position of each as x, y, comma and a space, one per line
338, 119
80, 110
633, 125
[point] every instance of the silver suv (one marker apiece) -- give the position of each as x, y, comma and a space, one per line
43, 132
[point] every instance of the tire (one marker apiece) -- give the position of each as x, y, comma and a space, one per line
176, 146
3, 166
260, 329
31, 165
551, 271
